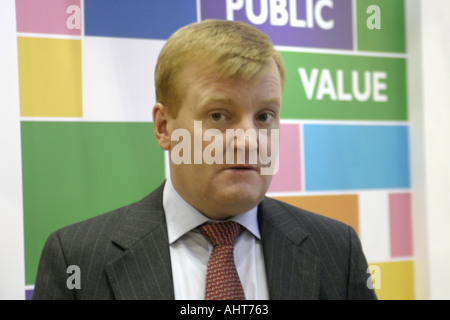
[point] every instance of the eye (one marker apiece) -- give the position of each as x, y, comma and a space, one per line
218, 117
265, 117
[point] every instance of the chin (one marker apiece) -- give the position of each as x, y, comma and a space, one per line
242, 199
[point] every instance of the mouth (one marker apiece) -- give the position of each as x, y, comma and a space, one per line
244, 168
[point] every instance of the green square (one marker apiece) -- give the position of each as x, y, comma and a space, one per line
381, 25
73, 171
341, 71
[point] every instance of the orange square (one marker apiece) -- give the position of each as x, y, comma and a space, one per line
340, 207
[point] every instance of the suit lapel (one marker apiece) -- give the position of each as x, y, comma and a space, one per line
292, 272
143, 271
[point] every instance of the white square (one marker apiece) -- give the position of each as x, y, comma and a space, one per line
118, 78
374, 225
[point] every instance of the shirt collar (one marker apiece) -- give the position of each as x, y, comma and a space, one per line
181, 217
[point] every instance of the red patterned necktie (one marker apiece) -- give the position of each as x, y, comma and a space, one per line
222, 279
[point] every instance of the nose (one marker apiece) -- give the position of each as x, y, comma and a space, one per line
242, 142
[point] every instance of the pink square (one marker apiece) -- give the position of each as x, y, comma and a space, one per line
400, 224
288, 177
49, 16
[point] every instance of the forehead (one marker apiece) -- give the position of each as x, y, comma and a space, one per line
207, 88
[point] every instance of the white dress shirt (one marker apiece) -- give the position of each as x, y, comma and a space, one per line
190, 250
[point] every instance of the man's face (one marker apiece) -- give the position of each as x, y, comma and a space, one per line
223, 190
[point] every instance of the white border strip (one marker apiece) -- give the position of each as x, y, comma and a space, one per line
342, 52
12, 264
333, 192
48, 36
346, 122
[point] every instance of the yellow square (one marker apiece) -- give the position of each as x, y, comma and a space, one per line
50, 77
393, 280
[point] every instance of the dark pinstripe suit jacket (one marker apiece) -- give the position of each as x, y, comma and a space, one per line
124, 254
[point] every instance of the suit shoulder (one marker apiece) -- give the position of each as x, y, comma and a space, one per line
102, 227
98, 227
96, 223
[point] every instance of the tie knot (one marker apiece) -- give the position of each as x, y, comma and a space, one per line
221, 233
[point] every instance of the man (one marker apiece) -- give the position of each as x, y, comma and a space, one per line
212, 77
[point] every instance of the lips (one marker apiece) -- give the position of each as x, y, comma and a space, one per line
243, 167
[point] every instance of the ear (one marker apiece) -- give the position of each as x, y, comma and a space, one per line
160, 117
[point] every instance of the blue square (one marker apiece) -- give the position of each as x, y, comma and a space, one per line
349, 157
147, 19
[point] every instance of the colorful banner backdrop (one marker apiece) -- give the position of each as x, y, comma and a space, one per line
87, 90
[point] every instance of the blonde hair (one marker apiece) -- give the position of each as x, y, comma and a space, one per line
229, 49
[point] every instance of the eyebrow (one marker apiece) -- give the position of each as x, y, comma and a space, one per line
216, 100
272, 101
225, 100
